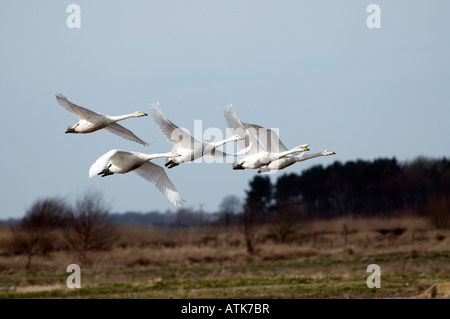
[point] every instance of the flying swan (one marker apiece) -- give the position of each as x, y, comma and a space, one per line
121, 162
186, 146
272, 142
292, 159
260, 152
91, 121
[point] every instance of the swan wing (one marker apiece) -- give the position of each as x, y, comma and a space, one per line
79, 111
216, 153
268, 138
156, 175
249, 141
124, 133
100, 164
173, 134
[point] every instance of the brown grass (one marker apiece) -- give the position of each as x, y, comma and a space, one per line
141, 246
140, 252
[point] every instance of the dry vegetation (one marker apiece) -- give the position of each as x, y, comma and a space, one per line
318, 259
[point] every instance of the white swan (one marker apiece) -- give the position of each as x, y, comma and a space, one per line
292, 159
261, 151
272, 142
189, 148
91, 121
121, 162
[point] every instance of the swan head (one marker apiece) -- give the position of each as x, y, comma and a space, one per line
139, 114
327, 152
174, 154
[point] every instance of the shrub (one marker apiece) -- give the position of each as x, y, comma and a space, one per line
438, 210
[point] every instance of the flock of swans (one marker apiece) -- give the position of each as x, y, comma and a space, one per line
261, 147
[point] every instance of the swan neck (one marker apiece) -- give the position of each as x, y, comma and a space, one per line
219, 143
306, 157
116, 118
149, 157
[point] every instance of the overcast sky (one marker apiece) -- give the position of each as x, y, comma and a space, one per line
313, 69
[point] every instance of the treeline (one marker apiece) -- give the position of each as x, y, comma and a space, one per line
382, 187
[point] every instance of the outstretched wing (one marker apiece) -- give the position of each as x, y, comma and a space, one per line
156, 175
124, 133
249, 141
74, 109
268, 138
173, 134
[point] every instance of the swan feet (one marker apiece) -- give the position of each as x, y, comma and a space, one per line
72, 129
106, 171
171, 164
237, 166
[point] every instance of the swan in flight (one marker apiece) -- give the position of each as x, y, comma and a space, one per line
262, 150
186, 146
121, 162
271, 141
292, 159
91, 121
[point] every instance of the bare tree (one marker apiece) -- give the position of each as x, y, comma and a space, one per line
286, 222
36, 232
89, 227
249, 216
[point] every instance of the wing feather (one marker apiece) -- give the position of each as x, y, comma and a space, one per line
173, 134
268, 138
79, 111
249, 141
124, 133
156, 175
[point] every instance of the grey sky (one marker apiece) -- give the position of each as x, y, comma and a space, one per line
312, 69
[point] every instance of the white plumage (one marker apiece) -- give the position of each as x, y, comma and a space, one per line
262, 150
188, 147
91, 121
121, 162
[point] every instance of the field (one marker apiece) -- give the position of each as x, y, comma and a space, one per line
319, 259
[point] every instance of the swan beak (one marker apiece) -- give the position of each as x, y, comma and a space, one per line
239, 137
305, 148
143, 114
176, 154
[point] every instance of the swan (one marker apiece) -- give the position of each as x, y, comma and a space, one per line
271, 140
91, 121
292, 159
260, 152
121, 162
186, 146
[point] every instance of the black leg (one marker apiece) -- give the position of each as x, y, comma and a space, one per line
172, 165
106, 171
107, 174
169, 163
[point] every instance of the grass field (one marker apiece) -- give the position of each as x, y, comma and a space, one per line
322, 259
